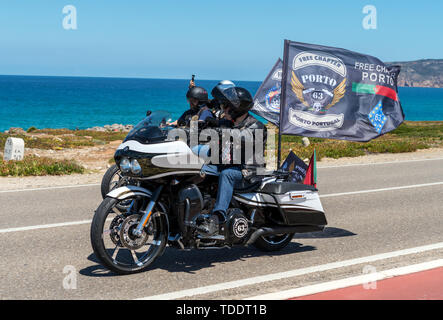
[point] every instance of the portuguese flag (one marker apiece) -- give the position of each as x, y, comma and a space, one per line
311, 172
375, 89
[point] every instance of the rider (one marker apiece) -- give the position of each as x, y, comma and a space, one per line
218, 119
198, 109
235, 102
215, 102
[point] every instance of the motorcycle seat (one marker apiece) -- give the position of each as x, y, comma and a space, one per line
284, 187
247, 187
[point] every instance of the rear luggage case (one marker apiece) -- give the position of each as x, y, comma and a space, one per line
299, 203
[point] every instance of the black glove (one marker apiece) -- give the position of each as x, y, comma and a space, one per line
211, 122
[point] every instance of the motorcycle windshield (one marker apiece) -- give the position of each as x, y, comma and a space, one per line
153, 128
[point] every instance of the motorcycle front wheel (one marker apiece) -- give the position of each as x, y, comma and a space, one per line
112, 179
114, 244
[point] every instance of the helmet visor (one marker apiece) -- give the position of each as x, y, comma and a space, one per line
230, 94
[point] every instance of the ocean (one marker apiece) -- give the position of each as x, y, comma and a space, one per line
84, 102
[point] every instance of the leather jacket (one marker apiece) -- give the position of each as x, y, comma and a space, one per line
248, 141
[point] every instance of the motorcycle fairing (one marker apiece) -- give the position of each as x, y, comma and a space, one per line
168, 147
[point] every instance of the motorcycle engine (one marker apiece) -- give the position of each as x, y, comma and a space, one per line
236, 227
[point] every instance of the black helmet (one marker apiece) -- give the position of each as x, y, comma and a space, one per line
238, 99
217, 91
198, 93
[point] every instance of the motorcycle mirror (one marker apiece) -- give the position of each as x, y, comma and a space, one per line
148, 113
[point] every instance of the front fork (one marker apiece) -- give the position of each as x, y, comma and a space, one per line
147, 213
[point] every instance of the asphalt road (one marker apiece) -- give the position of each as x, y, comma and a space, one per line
32, 262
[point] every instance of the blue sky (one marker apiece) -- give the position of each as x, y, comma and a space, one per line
212, 39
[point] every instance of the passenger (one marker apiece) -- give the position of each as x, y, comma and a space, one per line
218, 119
236, 103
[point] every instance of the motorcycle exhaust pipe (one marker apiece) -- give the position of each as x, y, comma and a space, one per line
265, 231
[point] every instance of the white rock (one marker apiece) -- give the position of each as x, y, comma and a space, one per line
305, 141
14, 149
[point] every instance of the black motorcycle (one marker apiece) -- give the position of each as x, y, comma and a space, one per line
164, 201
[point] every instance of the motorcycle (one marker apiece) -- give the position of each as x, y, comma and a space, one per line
166, 201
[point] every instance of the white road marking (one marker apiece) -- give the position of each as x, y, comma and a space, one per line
64, 224
348, 282
45, 226
319, 167
382, 189
51, 188
289, 274
52, 225
376, 163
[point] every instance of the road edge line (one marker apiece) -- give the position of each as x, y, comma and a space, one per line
52, 188
289, 274
348, 282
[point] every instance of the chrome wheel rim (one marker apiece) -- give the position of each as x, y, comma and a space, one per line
122, 248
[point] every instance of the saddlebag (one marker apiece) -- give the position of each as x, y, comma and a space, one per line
299, 204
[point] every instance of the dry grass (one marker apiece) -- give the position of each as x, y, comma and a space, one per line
36, 166
408, 137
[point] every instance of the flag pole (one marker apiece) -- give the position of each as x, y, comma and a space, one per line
283, 98
279, 149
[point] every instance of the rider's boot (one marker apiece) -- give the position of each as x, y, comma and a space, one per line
211, 225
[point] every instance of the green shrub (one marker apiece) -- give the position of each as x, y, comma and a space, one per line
35, 166
408, 137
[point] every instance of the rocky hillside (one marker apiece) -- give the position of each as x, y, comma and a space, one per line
421, 73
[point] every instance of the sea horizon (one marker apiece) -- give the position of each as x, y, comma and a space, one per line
118, 77
81, 102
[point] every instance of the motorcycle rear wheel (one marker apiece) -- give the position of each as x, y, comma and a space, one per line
113, 252
273, 242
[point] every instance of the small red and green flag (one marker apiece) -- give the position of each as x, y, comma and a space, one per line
375, 89
311, 172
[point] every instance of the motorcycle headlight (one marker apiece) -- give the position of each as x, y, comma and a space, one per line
125, 165
135, 167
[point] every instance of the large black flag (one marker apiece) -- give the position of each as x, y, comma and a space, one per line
267, 97
338, 94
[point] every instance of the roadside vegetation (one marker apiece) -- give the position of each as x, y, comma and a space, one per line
57, 139
408, 137
39, 166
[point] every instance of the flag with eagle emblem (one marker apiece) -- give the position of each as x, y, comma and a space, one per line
335, 93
